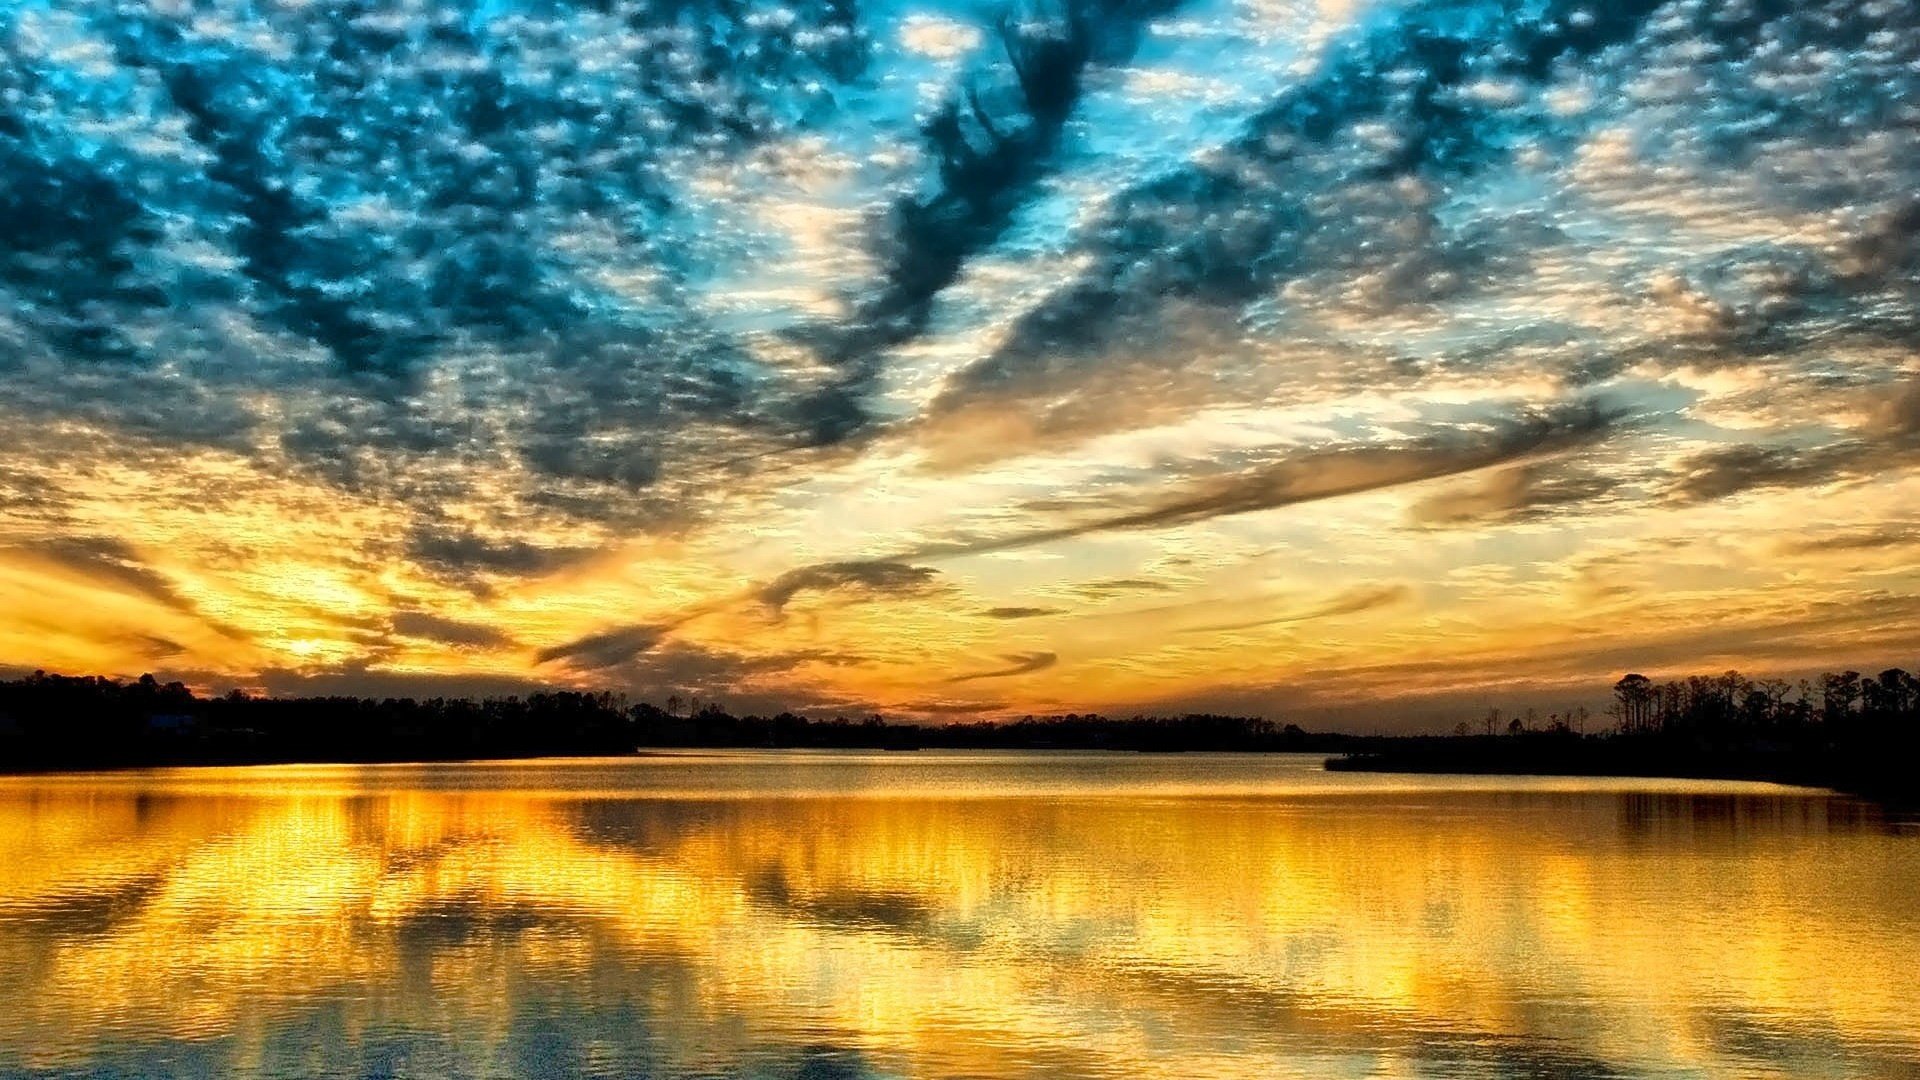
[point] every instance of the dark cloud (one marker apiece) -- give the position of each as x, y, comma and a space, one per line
607, 648
645, 657
111, 562
1301, 477
320, 224
360, 679
23, 493
67, 227
459, 553
990, 143
1311, 181
647, 664
879, 578
735, 680
378, 447
1019, 612
714, 669
431, 118
1352, 602
1513, 494
1875, 539
1889, 441
1108, 588
148, 409
1887, 248
155, 647
1718, 473
421, 624
1897, 420
1659, 640
1384, 183
1017, 664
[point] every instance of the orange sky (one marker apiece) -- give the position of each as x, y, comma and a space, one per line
824, 590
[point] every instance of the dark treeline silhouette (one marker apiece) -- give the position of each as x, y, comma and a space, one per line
1842, 730
53, 721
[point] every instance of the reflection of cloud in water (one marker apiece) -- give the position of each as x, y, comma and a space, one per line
1562, 932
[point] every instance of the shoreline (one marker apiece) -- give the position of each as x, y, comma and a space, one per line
1860, 776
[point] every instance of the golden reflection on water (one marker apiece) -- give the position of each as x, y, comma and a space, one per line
948, 915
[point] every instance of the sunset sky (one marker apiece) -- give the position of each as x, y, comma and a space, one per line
1356, 363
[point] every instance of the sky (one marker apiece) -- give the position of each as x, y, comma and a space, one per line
1363, 363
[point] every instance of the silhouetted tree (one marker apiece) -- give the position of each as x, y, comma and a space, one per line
1634, 697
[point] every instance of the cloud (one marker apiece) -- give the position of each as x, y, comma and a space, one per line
607, 648
1108, 588
421, 624
156, 647
1512, 494
1888, 440
1445, 184
878, 578
113, 563
1302, 477
23, 493
991, 142
1314, 179
1019, 612
1861, 540
742, 677
1017, 664
395, 247
1351, 602
361, 679
651, 666
464, 258
1724, 471
648, 662
376, 188
1898, 419
460, 553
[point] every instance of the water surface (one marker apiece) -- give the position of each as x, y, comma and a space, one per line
947, 914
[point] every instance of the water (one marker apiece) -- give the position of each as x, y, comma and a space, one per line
943, 914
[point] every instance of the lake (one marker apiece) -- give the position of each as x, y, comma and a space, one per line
939, 914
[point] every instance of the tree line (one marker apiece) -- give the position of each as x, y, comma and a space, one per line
1841, 730
56, 721
1843, 704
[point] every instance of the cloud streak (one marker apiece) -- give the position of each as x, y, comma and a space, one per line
872, 578
607, 648
1352, 602
422, 624
991, 143
113, 563
1016, 664
1292, 479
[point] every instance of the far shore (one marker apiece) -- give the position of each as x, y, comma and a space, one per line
1649, 756
1849, 733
